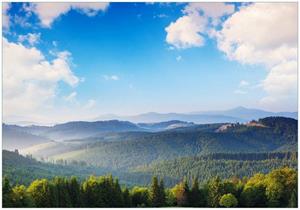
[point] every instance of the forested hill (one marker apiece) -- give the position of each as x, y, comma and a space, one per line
23, 170
132, 149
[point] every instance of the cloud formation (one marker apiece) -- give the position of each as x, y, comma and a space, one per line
5, 15
257, 34
30, 38
30, 80
188, 30
48, 12
244, 40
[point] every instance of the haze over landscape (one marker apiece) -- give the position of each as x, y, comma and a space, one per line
183, 104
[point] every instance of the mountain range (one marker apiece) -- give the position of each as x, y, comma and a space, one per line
238, 114
139, 149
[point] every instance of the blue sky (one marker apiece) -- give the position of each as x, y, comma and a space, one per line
122, 62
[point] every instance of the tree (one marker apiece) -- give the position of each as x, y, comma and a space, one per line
155, 192
140, 197
162, 193
254, 192
118, 196
90, 193
170, 198
20, 197
6, 193
41, 193
293, 202
60, 188
74, 192
280, 185
196, 198
127, 202
181, 193
228, 200
215, 191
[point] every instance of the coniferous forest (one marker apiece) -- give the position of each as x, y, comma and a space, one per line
275, 189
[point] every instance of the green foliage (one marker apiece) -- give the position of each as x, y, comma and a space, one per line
140, 197
42, 193
20, 197
197, 197
181, 192
6, 193
157, 193
276, 189
228, 200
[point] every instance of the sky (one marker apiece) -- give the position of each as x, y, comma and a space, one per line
77, 61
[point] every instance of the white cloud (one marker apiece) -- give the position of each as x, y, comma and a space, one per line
213, 11
240, 92
30, 80
244, 40
5, 15
90, 104
48, 12
185, 32
71, 97
179, 58
188, 30
243, 83
31, 38
111, 77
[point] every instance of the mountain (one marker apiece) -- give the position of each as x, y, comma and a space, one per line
153, 117
238, 114
77, 129
15, 138
250, 114
131, 149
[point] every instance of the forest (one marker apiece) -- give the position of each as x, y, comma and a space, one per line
275, 189
23, 170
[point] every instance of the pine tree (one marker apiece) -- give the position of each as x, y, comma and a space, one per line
162, 193
293, 202
195, 199
127, 202
118, 197
6, 193
155, 192
74, 192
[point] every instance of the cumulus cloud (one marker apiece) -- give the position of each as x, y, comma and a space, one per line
30, 80
188, 30
5, 15
30, 38
244, 40
48, 12
111, 77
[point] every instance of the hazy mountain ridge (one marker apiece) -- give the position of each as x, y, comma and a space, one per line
15, 138
238, 114
137, 148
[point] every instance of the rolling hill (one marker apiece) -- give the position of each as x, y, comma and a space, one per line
14, 138
131, 149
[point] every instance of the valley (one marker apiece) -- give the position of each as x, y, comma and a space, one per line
137, 151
